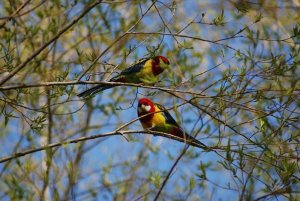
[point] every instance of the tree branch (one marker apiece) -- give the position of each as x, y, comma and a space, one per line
81, 139
39, 50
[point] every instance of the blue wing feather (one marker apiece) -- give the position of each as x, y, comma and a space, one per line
181, 133
135, 68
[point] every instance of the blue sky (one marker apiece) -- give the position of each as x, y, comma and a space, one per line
115, 149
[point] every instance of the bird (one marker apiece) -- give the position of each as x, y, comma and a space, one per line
157, 118
145, 71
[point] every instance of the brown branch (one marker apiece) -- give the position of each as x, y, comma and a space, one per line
49, 153
24, 13
39, 50
280, 191
149, 33
14, 13
197, 95
116, 132
115, 42
184, 36
249, 175
81, 139
165, 24
65, 83
170, 172
173, 167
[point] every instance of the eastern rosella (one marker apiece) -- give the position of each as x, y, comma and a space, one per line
144, 71
163, 122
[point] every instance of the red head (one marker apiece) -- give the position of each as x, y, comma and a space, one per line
159, 59
160, 63
145, 106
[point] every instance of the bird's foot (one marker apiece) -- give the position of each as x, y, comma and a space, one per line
150, 129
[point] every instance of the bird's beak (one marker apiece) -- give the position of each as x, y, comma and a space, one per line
144, 108
165, 66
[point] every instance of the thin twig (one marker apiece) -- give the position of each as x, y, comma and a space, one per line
14, 13
114, 42
39, 50
81, 139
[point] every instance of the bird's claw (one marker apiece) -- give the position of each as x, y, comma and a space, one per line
150, 129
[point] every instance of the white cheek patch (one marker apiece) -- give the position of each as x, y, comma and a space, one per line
147, 108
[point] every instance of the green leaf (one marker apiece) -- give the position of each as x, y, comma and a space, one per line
220, 19
192, 183
155, 178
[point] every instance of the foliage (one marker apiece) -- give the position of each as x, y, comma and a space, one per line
234, 84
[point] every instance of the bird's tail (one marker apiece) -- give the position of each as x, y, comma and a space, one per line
94, 90
194, 142
186, 138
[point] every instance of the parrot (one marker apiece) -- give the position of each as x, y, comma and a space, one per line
163, 122
144, 71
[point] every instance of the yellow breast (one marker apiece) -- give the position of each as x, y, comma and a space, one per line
146, 74
157, 120
147, 69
